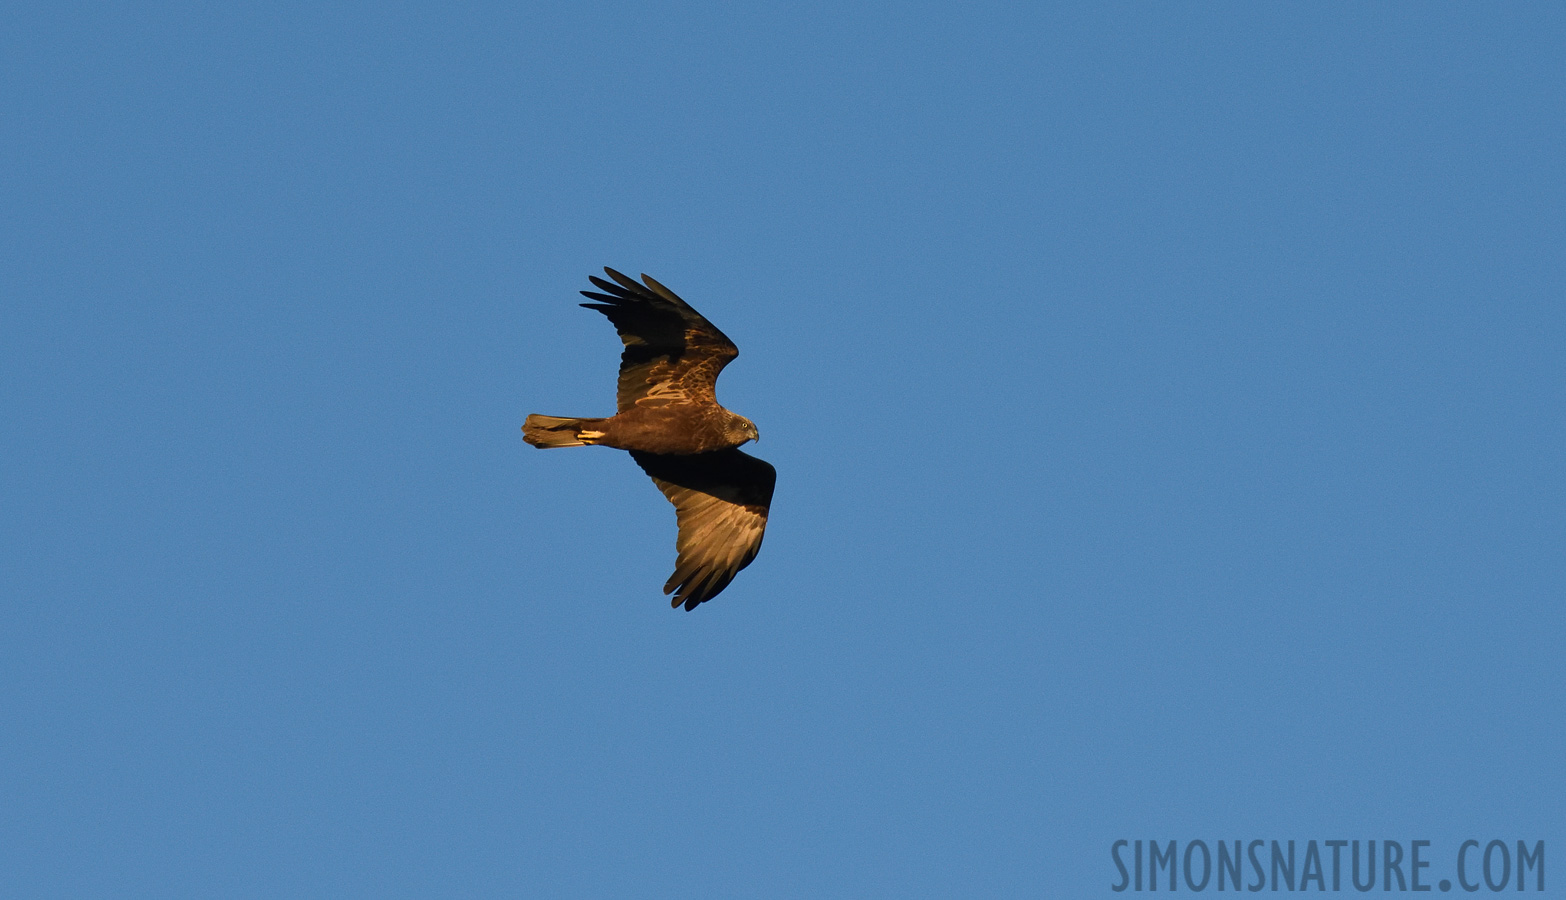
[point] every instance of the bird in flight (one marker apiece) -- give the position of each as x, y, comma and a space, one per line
669, 419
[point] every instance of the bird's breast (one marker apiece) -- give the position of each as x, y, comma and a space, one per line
672, 428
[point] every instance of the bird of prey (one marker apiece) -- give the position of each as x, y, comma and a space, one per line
670, 421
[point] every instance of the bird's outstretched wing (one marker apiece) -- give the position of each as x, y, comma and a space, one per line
672, 354
721, 501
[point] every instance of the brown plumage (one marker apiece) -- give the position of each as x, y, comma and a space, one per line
670, 421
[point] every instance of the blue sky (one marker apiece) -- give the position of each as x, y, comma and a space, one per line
1166, 401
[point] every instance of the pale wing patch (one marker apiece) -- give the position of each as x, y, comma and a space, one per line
660, 392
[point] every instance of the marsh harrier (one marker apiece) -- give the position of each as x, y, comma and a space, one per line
670, 421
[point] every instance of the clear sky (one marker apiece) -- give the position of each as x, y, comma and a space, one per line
1166, 399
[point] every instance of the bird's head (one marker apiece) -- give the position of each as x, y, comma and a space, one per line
743, 429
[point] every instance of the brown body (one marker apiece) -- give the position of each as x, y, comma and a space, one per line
670, 421
661, 428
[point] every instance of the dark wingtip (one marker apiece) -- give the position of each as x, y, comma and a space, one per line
660, 290
609, 286
624, 279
